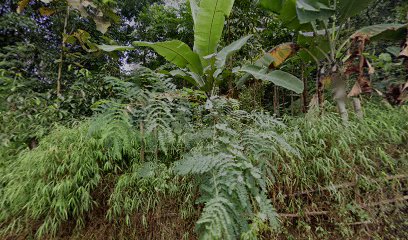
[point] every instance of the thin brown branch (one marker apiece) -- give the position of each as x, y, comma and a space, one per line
367, 205
345, 185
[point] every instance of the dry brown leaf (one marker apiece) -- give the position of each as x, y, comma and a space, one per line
404, 52
355, 91
371, 69
405, 87
314, 103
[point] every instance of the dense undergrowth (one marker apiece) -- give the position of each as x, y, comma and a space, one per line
153, 162
96, 145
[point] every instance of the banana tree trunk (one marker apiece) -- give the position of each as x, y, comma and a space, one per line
340, 95
357, 107
341, 106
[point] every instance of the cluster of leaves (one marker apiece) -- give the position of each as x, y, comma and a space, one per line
231, 163
70, 166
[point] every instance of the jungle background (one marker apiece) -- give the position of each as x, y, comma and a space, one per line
118, 122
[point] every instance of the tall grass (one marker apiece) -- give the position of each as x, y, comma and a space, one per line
255, 164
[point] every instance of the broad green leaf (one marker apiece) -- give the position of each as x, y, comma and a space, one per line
273, 58
277, 77
194, 9
111, 48
313, 46
226, 52
209, 25
176, 52
350, 8
288, 14
312, 10
194, 79
272, 5
382, 31
395, 51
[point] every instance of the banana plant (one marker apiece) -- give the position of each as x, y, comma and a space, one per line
203, 65
320, 24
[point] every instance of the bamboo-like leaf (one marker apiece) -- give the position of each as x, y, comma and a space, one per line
209, 25
277, 77
226, 52
177, 53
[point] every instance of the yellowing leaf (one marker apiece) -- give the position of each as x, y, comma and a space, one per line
102, 25
281, 53
22, 5
44, 11
326, 81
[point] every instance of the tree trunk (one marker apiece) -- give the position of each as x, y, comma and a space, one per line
62, 53
319, 87
340, 94
341, 105
357, 107
275, 101
305, 92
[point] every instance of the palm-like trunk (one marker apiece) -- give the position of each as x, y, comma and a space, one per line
357, 107
340, 94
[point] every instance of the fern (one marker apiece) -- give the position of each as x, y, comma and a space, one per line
230, 166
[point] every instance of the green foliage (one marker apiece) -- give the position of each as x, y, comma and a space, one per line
279, 78
204, 56
72, 164
128, 154
383, 32
230, 163
209, 21
176, 52
54, 182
